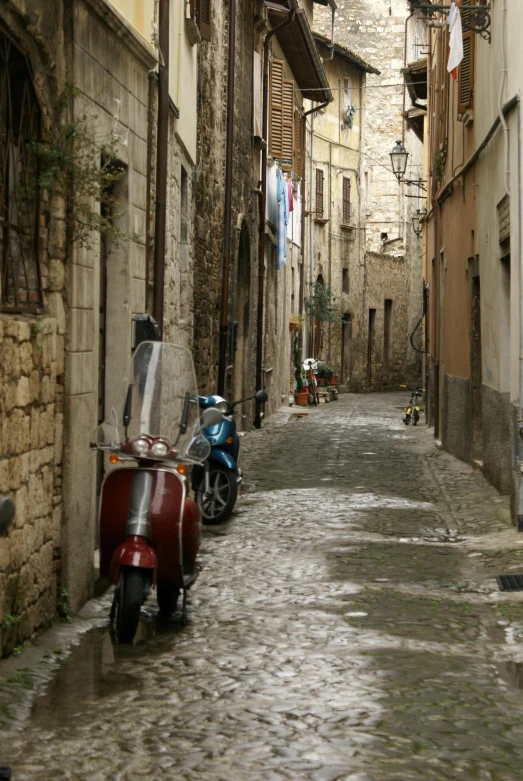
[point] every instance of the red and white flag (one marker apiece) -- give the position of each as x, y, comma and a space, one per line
455, 41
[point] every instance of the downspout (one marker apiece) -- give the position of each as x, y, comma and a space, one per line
330, 247
309, 213
148, 281
500, 98
520, 298
404, 86
262, 205
161, 165
226, 268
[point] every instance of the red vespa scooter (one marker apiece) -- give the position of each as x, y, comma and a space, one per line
150, 530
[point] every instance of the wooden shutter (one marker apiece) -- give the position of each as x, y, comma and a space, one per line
203, 17
287, 131
276, 104
432, 118
319, 194
346, 200
466, 74
443, 90
298, 145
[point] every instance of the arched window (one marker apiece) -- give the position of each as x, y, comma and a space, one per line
20, 285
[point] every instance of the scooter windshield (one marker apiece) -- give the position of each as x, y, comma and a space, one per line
155, 413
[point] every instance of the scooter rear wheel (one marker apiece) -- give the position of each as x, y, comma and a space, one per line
131, 595
218, 504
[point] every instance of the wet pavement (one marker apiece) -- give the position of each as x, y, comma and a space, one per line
346, 625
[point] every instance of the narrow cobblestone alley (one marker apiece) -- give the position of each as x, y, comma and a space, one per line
346, 625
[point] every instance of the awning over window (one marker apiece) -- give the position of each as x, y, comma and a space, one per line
415, 75
300, 51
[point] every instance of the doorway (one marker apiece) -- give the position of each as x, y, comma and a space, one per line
370, 345
346, 338
475, 369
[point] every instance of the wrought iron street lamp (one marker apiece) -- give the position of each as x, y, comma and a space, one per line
398, 158
416, 226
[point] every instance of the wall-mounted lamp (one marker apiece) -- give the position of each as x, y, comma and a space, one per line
398, 158
416, 225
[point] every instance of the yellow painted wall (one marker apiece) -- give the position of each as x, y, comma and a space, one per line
139, 13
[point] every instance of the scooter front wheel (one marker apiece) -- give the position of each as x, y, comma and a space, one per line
216, 505
129, 600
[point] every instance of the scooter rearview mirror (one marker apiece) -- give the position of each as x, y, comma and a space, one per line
261, 396
211, 417
7, 513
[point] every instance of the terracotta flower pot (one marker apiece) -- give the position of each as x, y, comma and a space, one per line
334, 379
292, 326
321, 381
301, 398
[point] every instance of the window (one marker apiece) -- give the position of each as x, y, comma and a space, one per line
387, 337
346, 200
443, 90
282, 120
20, 285
466, 74
201, 11
319, 194
345, 281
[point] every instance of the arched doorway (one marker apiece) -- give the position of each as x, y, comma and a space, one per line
241, 347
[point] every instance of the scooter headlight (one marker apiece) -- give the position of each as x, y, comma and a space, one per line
223, 407
161, 448
141, 445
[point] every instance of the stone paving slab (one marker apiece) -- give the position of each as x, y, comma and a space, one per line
346, 626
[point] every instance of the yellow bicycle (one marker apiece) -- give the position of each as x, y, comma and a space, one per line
413, 409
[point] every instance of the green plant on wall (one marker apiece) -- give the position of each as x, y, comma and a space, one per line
438, 166
82, 170
297, 364
321, 305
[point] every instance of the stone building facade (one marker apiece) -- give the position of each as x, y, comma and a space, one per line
32, 331
66, 322
390, 299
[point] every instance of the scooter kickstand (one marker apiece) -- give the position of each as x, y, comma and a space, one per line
184, 620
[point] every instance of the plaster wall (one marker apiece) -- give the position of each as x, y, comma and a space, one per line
183, 79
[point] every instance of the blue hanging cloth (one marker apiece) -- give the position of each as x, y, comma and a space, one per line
283, 218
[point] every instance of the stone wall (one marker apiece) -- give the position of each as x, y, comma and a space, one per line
375, 30
32, 376
209, 195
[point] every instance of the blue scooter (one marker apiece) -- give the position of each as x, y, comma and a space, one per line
216, 483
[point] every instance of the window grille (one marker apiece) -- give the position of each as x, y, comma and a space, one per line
346, 200
319, 193
20, 283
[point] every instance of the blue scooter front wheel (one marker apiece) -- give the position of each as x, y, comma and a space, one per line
217, 504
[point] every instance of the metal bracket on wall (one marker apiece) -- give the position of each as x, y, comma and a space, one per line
474, 17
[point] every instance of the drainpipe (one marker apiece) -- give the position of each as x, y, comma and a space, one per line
262, 205
520, 285
404, 87
309, 213
330, 248
150, 99
224, 312
161, 165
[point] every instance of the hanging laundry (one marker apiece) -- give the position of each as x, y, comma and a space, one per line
283, 218
455, 40
291, 196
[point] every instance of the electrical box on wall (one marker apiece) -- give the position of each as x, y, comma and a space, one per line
144, 329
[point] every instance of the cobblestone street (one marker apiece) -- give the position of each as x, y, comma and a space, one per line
346, 625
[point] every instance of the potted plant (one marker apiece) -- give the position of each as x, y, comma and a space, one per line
324, 372
334, 378
301, 395
295, 321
